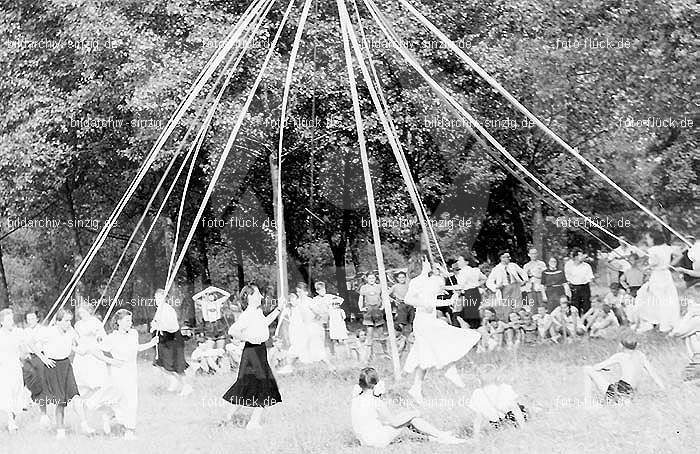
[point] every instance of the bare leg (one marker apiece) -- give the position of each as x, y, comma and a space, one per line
255, 419
79, 404
453, 375
231, 413
416, 391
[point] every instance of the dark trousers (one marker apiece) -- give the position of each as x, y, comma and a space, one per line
581, 297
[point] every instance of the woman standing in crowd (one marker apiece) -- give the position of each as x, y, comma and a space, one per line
554, 284
470, 279
59, 387
33, 367
11, 385
170, 355
255, 386
123, 344
437, 344
579, 275
657, 300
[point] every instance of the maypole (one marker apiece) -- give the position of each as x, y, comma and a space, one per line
345, 24
277, 169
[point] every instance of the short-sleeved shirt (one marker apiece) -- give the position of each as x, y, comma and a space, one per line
57, 344
253, 326
399, 291
371, 294
578, 274
211, 310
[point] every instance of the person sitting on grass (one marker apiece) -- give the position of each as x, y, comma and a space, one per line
565, 321
529, 326
514, 332
606, 325
591, 316
206, 357
543, 321
617, 298
376, 426
617, 386
491, 331
496, 404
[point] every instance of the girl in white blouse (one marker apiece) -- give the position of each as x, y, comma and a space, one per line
255, 386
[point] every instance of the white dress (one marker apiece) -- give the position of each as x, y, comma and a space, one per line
315, 334
369, 429
336, 324
437, 344
90, 372
12, 395
123, 378
657, 300
297, 332
492, 402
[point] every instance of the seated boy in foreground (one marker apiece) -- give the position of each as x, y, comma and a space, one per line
633, 363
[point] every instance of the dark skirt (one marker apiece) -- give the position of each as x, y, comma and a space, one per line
171, 352
554, 294
59, 383
33, 375
255, 385
471, 307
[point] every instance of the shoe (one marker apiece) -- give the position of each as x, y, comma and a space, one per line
85, 427
106, 424
44, 421
186, 390
60, 434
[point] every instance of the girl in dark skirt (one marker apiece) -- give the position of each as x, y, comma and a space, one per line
255, 386
59, 386
170, 355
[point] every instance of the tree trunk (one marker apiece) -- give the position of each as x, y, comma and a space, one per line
4, 292
538, 228
187, 311
79, 292
339, 250
239, 268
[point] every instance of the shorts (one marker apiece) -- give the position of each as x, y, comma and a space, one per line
373, 316
405, 314
618, 391
214, 330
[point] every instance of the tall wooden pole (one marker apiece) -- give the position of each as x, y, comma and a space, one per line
376, 239
282, 282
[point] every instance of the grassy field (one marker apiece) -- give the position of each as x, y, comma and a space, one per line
314, 417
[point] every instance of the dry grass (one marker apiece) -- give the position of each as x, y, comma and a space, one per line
314, 417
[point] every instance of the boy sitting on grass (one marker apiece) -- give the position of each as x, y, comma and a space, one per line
617, 386
565, 321
606, 325
544, 322
496, 405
